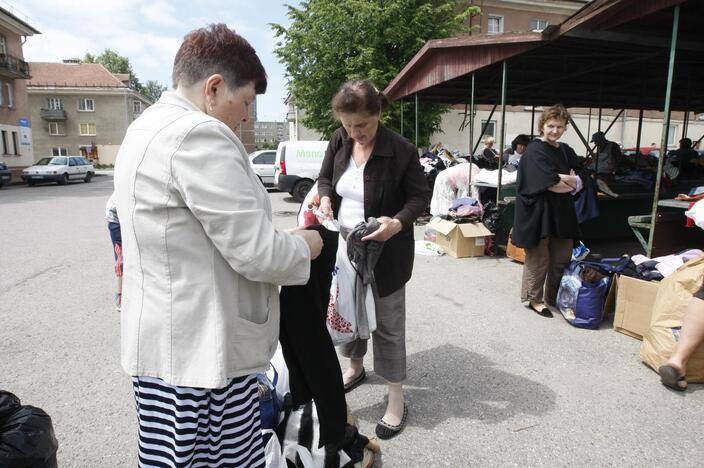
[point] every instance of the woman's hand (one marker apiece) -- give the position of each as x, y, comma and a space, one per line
570, 179
388, 229
325, 209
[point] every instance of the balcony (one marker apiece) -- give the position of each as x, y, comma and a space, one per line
52, 115
12, 67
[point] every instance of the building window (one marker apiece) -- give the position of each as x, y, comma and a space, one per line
10, 95
538, 24
55, 129
3, 45
4, 142
86, 129
15, 150
137, 107
495, 24
490, 129
54, 103
59, 151
672, 135
86, 105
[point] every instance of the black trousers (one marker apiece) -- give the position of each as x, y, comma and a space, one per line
314, 371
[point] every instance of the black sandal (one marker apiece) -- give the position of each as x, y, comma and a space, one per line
544, 312
349, 386
671, 378
385, 430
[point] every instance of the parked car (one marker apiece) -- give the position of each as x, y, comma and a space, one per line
297, 166
5, 174
263, 164
59, 169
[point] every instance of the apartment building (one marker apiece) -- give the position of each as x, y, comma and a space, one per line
16, 146
268, 132
500, 16
81, 109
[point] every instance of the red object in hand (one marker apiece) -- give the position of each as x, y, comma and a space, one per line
309, 218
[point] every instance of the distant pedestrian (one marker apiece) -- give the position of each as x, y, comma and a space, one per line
116, 238
545, 222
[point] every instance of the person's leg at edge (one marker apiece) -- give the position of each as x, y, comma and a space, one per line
389, 344
535, 270
355, 351
691, 336
560, 251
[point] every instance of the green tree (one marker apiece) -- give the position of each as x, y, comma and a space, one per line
329, 43
152, 90
116, 63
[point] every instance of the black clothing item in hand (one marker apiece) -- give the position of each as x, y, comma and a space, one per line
314, 371
541, 213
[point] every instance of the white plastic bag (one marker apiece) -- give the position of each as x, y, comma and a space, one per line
697, 213
341, 319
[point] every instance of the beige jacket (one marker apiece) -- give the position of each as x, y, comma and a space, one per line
202, 257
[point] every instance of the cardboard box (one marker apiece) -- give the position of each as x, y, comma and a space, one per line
634, 305
460, 240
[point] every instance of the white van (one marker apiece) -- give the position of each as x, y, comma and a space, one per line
297, 166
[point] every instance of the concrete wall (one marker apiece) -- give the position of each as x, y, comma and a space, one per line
10, 117
114, 111
519, 121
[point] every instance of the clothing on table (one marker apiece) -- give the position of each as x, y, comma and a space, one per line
200, 297
492, 177
389, 338
450, 184
662, 267
543, 268
182, 426
539, 212
394, 185
313, 369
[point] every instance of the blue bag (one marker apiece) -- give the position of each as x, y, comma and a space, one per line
581, 302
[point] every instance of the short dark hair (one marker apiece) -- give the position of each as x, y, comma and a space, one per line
556, 112
218, 49
359, 96
686, 143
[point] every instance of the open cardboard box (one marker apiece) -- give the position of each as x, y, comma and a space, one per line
460, 240
634, 299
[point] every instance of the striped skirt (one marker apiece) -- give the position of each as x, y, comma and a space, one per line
196, 427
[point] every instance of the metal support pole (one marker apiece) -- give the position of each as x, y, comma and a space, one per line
402, 117
590, 151
589, 123
532, 122
471, 134
416, 120
685, 124
502, 135
484, 127
599, 126
640, 132
666, 126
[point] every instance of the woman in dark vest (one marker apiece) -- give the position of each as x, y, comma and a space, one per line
545, 222
369, 170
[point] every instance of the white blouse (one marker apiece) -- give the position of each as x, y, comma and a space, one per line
350, 188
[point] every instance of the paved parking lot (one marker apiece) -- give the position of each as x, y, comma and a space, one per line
490, 384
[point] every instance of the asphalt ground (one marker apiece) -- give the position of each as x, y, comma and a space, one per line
489, 382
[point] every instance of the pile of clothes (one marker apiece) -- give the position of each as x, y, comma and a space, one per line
655, 269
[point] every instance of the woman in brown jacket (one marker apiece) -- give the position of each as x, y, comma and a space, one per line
369, 170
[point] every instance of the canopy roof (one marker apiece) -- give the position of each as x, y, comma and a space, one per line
611, 53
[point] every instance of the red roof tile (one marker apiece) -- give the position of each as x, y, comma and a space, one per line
88, 75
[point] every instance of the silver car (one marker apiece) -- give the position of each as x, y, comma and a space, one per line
59, 169
263, 164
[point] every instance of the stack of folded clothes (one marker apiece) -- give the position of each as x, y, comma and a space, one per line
655, 269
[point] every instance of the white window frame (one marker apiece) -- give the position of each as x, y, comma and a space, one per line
488, 24
57, 128
83, 102
492, 127
672, 135
10, 96
59, 151
80, 129
55, 103
538, 22
136, 107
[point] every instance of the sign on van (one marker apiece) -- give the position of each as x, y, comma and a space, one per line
309, 154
